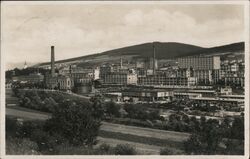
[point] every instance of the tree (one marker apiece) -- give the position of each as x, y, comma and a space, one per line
211, 136
74, 122
97, 106
193, 145
185, 118
113, 109
237, 130
205, 141
194, 124
226, 127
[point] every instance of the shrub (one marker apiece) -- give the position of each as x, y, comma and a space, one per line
113, 109
166, 151
45, 142
124, 149
28, 127
105, 149
11, 126
24, 146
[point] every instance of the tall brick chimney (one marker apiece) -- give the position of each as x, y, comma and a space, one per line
153, 58
52, 61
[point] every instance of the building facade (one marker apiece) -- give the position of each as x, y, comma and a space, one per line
31, 78
65, 82
199, 62
164, 80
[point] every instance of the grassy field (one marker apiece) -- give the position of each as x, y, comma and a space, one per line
151, 139
145, 132
160, 143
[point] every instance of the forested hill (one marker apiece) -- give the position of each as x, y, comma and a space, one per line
164, 50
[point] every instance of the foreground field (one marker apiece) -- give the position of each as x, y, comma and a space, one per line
146, 140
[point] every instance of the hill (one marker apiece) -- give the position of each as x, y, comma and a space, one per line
230, 48
166, 50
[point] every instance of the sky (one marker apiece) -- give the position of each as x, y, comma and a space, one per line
28, 31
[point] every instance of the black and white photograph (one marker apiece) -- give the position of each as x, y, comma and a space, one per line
125, 78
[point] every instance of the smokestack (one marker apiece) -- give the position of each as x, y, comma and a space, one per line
70, 70
121, 63
52, 61
153, 58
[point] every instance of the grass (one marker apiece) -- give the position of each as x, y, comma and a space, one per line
141, 139
29, 110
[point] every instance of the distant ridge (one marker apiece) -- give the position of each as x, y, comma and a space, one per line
235, 47
164, 50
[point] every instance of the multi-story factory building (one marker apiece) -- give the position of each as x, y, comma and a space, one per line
120, 78
204, 68
232, 73
200, 62
163, 80
55, 81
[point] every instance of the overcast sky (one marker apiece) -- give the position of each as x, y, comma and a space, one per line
28, 31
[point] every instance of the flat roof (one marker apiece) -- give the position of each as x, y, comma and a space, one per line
234, 95
217, 99
201, 90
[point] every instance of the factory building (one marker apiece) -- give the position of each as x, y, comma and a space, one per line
120, 78
105, 69
146, 95
65, 82
31, 78
203, 76
54, 81
232, 73
199, 62
136, 95
205, 68
163, 80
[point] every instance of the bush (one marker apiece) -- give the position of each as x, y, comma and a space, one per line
124, 149
113, 109
45, 142
11, 126
237, 130
193, 145
166, 151
24, 146
207, 140
28, 127
105, 149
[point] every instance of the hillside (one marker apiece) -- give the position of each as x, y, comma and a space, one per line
163, 51
231, 48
